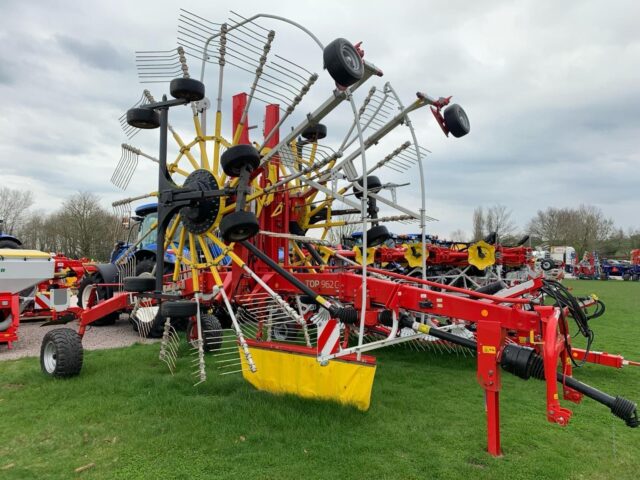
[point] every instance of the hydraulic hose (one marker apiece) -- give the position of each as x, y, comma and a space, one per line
525, 363
344, 314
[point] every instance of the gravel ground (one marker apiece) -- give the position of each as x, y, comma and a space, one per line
30, 336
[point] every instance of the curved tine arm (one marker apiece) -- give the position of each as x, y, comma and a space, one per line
248, 20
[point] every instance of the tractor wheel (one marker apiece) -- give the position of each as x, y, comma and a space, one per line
148, 264
546, 265
236, 158
343, 62
239, 226
145, 266
626, 277
374, 185
456, 120
377, 235
188, 89
635, 278
179, 309
89, 296
144, 118
9, 244
316, 132
61, 353
211, 331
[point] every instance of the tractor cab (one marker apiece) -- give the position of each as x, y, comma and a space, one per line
143, 246
147, 216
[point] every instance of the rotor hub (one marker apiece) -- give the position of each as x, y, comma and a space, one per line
201, 215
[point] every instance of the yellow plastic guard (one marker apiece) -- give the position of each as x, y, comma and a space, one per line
482, 255
413, 254
17, 253
348, 383
371, 255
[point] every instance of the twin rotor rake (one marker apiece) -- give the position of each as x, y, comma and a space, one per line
249, 221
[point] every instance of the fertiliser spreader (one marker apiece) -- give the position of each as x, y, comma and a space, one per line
290, 312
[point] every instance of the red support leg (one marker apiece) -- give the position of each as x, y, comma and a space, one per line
490, 337
492, 400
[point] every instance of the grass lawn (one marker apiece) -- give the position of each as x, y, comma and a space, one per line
127, 415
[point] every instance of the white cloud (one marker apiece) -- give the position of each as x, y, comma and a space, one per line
551, 92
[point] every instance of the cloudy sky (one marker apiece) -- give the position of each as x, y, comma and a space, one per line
551, 92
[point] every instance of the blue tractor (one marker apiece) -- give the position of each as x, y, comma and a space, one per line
145, 250
8, 241
140, 251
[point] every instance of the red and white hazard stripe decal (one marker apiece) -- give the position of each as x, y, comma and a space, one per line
328, 337
42, 301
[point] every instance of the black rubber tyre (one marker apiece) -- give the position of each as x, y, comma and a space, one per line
139, 284
188, 89
456, 120
6, 243
144, 118
101, 294
178, 309
211, 331
635, 278
61, 353
626, 277
316, 132
377, 235
234, 159
374, 185
146, 266
546, 265
492, 288
239, 226
343, 62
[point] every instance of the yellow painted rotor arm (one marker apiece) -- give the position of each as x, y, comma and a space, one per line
204, 159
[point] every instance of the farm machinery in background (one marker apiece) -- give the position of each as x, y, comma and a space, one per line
36, 285
591, 267
8, 241
623, 269
291, 313
464, 264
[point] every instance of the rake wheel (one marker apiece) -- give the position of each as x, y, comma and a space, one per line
286, 189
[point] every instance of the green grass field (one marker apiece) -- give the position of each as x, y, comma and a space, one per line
127, 415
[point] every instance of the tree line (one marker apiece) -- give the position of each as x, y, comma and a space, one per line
81, 227
585, 228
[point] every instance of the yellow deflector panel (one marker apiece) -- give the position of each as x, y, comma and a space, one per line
349, 383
